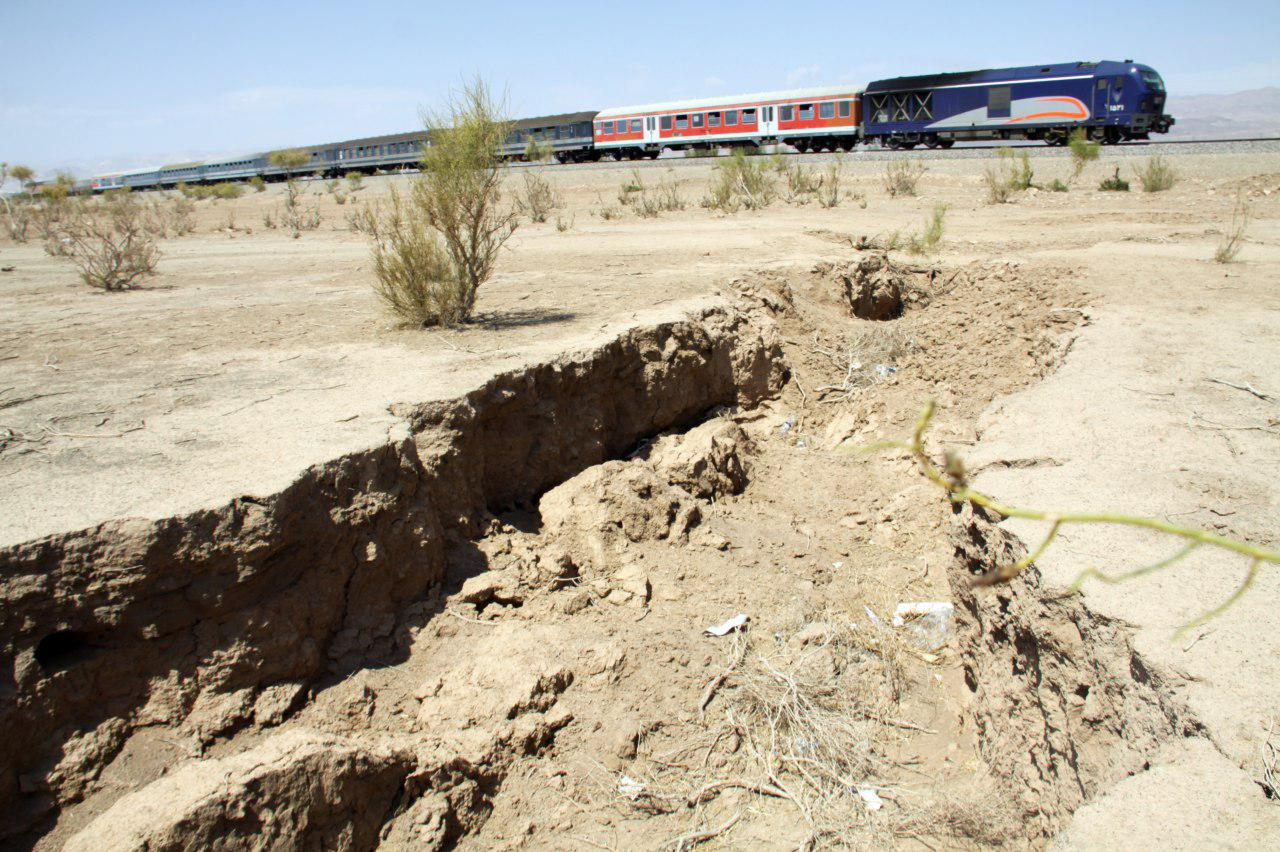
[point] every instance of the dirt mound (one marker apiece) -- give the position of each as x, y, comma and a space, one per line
299, 789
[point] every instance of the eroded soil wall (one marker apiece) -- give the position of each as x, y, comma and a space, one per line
220, 619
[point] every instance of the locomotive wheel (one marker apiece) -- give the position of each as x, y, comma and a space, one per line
946, 143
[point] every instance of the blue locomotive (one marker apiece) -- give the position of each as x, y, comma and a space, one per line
1112, 101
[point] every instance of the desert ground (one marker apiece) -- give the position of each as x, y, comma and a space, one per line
278, 571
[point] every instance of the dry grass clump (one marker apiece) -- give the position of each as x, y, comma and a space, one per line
1010, 173
174, 217
1115, 183
355, 181
901, 176
536, 197
740, 183
258, 184
1233, 240
109, 243
651, 201
1156, 175
199, 192
434, 249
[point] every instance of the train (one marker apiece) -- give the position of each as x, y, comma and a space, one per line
1109, 101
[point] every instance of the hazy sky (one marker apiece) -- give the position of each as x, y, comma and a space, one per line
96, 86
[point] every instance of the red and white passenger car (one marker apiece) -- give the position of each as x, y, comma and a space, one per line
813, 119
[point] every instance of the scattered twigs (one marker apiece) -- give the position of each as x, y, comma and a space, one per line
953, 479
709, 791
1249, 389
1270, 779
738, 651
693, 838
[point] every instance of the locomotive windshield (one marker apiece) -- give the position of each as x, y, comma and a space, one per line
1152, 79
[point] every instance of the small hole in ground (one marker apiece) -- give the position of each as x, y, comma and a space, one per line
62, 649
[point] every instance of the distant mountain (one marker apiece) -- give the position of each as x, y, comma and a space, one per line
1243, 114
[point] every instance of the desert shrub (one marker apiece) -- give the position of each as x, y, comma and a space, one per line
829, 191
174, 216
269, 221
1115, 183
109, 245
536, 152
295, 214
536, 197
1156, 175
331, 186
929, 237
434, 249
700, 153
1233, 240
608, 212
801, 184
226, 190
258, 184
340, 198
1083, 152
355, 181
740, 183
902, 175
652, 201
1058, 186
1009, 174
563, 224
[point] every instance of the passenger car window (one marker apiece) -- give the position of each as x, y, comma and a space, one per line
713, 119
787, 113
682, 122
827, 110
806, 112
697, 119
730, 117
844, 109
666, 122
748, 116
635, 125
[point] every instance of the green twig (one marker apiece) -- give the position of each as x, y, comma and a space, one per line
951, 477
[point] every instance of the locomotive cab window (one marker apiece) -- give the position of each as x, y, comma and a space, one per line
682, 122
998, 98
827, 110
806, 112
787, 113
730, 117
697, 119
666, 122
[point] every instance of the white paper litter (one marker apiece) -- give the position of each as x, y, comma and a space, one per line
871, 615
870, 798
630, 787
728, 626
929, 622
938, 609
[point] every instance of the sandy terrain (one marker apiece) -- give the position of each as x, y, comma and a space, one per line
1069, 337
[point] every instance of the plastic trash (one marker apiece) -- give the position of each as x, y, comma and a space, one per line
786, 427
929, 622
870, 798
871, 616
630, 787
884, 371
728, 626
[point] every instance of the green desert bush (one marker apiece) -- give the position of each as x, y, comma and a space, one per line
1083, 152
1156, 175
740, 183
258, 184
929, 237
435, 248
1115, 183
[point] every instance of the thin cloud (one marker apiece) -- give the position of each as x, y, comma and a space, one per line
802, 73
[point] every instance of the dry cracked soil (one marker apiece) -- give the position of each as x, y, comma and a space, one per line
617, 564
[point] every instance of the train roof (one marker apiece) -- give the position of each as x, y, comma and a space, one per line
996, 75
730, 101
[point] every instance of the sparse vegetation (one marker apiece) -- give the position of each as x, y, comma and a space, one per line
331, 186
1010, 173
1156, 175
1083, 152
651, 201
199, 192
433, 250
901, 176
929, 237
801, 183
537, 152
17, 213
563, 224
829, 192
1058, 186
536, 197
108, 243
1229, 248
355, 181
258, 184
172, 217
1115, 183
740, 183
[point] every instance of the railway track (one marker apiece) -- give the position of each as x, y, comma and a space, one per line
962, 151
